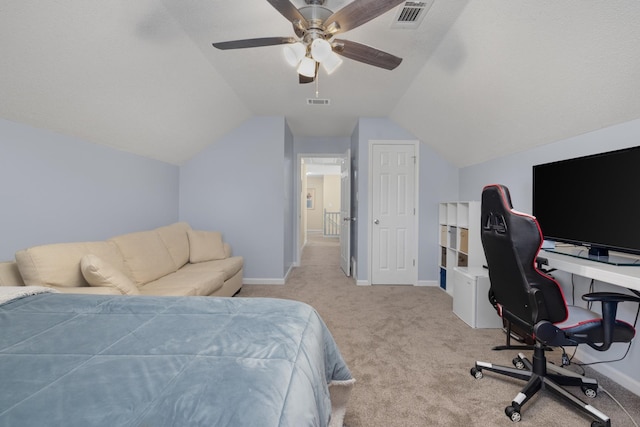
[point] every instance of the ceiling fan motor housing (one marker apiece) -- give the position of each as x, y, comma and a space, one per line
315, 27
315, 16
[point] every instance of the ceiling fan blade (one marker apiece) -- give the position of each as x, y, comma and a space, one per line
264, 41
357, 13
366, 54
304, 79
289, 11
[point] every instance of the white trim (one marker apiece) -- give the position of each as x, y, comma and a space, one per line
609, 372
363, 283
416, 199
432, 283
286, 276
282, 281
246, 281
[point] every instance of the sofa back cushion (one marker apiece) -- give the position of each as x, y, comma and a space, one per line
175, 239
145, 256
59, 264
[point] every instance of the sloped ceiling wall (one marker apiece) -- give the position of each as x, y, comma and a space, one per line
479, 79
513, 75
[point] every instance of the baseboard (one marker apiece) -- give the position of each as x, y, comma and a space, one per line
286, 276
246, 281
427, 283
624, 380
420, 283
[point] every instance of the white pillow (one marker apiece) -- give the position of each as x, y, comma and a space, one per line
100, 273
205, 246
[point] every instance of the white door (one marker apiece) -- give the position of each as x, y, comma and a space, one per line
393, 214
345, 213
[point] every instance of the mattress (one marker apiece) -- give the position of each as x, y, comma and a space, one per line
103, 360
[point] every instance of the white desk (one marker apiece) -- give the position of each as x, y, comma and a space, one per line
625, 276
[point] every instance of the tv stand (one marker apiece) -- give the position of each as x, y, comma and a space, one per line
595, 251
597, 254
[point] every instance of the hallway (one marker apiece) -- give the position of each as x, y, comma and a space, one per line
320, 251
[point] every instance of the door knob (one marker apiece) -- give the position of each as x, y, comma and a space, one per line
376, 221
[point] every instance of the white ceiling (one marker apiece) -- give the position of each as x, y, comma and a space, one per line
479, 79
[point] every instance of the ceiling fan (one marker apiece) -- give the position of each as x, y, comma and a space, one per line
315, 27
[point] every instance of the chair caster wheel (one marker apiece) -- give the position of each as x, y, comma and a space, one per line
518, 363
513, 414
476, 373
589, 392
597, 424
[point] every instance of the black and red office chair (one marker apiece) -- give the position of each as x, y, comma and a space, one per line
527, 297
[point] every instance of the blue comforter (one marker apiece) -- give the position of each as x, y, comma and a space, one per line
84, 360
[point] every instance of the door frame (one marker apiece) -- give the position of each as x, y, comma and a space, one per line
416, 146
298, 190
345, 213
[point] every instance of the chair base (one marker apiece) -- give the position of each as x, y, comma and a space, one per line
541, 375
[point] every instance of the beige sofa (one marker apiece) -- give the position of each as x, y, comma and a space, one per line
171, 260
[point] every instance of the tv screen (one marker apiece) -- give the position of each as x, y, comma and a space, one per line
591, 201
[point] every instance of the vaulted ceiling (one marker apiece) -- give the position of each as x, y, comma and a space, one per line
479, 78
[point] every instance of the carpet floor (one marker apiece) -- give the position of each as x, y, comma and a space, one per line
411, 355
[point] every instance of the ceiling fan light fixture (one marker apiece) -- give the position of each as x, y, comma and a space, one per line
294, 52
320, 49
307, 67
331, 63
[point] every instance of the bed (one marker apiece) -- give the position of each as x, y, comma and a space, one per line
102, 360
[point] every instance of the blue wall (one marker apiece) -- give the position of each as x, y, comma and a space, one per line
57, 188
237, 186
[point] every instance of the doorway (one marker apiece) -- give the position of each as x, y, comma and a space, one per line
320, 192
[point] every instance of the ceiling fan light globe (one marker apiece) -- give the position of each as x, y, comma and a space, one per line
332, 62
307, 67
320, 49
294, 52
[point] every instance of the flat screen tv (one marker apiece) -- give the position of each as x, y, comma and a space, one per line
592, 202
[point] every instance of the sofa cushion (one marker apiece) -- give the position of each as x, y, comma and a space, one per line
205, 246
228, 266
176, 241
145, 256
100, 273
59, 264
185, 283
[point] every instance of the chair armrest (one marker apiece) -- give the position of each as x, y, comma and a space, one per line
610, 297
610, 301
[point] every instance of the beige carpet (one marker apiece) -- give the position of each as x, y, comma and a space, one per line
411, 355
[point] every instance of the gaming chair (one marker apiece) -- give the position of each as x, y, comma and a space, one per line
531, 299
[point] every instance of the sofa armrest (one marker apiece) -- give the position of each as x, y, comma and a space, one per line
227, 249
9, 274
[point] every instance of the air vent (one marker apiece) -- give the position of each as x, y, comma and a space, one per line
412, 14
317, 101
